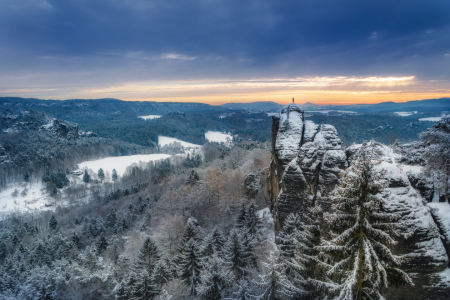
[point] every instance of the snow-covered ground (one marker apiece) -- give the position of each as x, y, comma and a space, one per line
327, 111
150, 117
217, 136
36, 197
275, 114
165, 140
120, 163
405, 113
432, 119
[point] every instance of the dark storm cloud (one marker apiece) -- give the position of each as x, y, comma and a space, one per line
221, 38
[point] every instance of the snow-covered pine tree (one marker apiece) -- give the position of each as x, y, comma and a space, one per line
101, 245
242, 292
161, 273
214, 278
235, 254
253, 224
362, 233
241, 219
114, 175
274, 283
53, 223
147, 256
213, 243
308, 264
101, 174
189, 265
437, 153
86, 177
193, 179
285, 238
144, 288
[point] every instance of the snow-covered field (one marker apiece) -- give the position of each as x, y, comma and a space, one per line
327, 111
405, 113
120, 163
165, 140
150, 117
217, 136
35, 198
432, 119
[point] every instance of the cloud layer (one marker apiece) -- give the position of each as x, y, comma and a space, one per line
71, 48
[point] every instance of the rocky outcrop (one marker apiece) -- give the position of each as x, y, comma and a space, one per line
306, 162
305, 170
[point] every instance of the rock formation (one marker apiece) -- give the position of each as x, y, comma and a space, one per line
307, 160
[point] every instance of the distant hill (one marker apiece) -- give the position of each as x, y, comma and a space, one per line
261, 105
70, 109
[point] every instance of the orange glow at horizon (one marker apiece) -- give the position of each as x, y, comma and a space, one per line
339, 90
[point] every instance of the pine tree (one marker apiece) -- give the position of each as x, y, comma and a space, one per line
213, 243
364, 264
144, 288
101, 174
86, 177
26, 177
308, 263
52, 223
114, 176
274, 283
161, 273
147, 256
193, 179
253, 224
437, 153
241, 218
235, 254
165, 295
190, 265
285, 238
214, 279
101, 245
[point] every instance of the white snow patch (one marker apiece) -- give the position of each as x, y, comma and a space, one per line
120, 163
274, 114
269, 225
150, 117
36, 198
405, 113
165, 140
217, 136
411, 169
432, 119
444, 277
441, 211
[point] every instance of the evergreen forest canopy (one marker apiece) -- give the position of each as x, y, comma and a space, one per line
196, 227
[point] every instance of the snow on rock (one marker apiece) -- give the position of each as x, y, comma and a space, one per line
217, 136
165, 140
327, 138
150, 117
311, 130
289, 134
120, 163
423, 250
441, 214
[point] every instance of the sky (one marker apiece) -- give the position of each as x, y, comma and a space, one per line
218, 51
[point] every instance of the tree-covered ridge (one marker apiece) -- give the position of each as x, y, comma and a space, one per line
31, 142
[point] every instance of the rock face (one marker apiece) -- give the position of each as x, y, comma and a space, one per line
306, 162
305, 170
